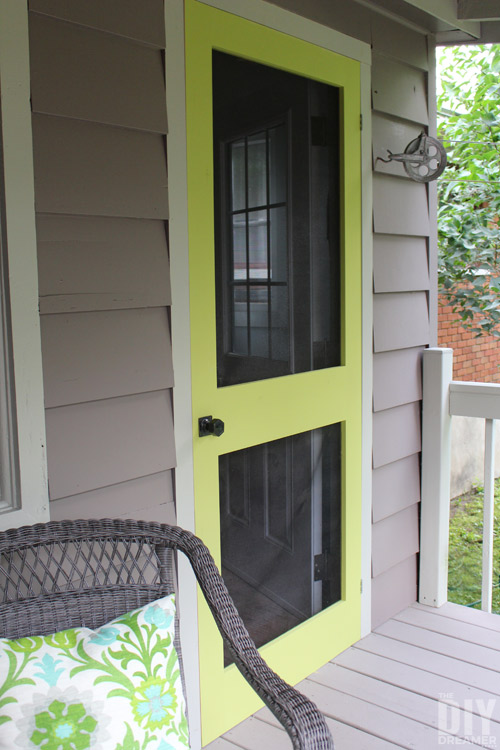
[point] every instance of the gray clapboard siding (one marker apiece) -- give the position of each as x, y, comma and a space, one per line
391, 134
396, 434
88, 168
394, 590
396, 486
101, 263
146, 495
394, 539
96, 444
399, 42
400, 263
116, 16
397, 378
400, 206
400, 311
399, 90
101, 195
99, 355
158, 513
89, 75
400, 320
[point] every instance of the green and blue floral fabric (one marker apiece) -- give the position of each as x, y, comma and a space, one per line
115, 688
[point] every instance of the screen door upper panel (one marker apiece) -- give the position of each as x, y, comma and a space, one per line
276, 169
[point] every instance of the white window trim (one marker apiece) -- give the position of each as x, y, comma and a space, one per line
31, 505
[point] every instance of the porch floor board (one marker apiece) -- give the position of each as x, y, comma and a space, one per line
383, 693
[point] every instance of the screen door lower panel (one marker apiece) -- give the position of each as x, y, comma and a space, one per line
280, 508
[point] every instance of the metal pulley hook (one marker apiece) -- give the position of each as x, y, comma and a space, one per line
424, 158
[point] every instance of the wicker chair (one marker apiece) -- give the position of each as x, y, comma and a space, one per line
65, 574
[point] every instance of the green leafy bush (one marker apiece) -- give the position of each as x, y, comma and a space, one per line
466, 549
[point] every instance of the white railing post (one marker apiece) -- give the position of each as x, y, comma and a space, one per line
488, 514
436, 463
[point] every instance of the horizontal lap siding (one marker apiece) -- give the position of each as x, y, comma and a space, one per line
131, 257
101, 201
394, 589
396, 486
399, 90
395, 539
399, 134
397, 378
137, 498
400, 206
400, 320
96, 170
97, 87
120, 17
396, 433
400, 264
399, 43
99, 355
100, 443
401, 225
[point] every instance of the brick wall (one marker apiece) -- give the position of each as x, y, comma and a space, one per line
473, 358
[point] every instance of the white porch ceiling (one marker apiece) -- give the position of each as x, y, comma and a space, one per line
479, 10
453, 21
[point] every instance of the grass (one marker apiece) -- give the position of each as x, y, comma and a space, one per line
465, 557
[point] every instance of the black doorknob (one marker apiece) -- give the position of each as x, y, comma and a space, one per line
209, 426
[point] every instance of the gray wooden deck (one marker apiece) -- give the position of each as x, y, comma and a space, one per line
389, 690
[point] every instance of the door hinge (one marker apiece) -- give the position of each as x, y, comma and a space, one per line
322, 567
361, 122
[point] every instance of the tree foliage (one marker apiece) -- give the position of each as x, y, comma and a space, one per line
469, 189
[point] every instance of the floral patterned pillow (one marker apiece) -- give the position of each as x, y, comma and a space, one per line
115, 688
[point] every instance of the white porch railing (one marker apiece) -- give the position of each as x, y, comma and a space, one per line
442, 399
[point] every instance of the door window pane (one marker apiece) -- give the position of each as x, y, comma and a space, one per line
240, 320
239, 247
238, 175
278, 236
257, 245
259, 321
257, 169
